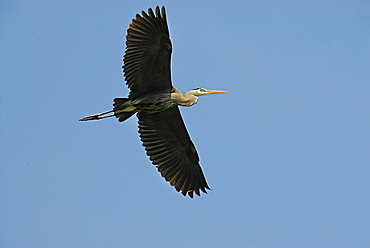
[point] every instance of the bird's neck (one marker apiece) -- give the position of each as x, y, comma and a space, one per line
188, 100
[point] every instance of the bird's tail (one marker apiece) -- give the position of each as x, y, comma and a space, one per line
117, 109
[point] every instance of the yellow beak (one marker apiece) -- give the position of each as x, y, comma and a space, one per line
209, 92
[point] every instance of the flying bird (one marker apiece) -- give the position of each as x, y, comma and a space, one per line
155, 102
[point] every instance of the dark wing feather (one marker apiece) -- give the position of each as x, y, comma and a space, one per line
148, 54
169, 146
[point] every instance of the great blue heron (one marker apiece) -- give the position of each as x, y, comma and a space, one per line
154, 99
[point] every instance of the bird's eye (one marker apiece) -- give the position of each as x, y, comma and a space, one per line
202, 90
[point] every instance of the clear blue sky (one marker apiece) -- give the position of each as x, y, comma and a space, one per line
286, 151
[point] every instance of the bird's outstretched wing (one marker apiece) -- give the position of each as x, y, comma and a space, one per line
169, 146
148, 54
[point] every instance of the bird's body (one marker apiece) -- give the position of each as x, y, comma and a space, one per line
155, 100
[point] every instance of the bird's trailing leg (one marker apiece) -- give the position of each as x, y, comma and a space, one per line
98, 116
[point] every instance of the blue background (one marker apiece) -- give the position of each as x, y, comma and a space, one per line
286, 151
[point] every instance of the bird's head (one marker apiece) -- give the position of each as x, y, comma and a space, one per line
191, 97
204, 92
